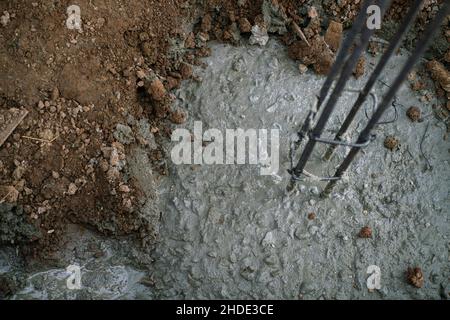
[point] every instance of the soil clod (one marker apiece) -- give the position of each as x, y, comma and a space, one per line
415, 277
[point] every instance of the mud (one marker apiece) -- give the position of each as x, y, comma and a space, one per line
227, 232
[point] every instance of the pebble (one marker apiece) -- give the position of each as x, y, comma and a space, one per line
72, 189
157, 90
5, 18
124, 134
259, 36
302, 68
55, 94
124, 188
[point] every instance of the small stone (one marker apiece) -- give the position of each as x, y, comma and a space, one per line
124, 188
415, 277
5, 18
391, 143
245, 25
114, 159
104, 165
72, 189
202, 36
365, 233
113, 174
189, 42
149, 51
440, 74
206, 25
46, 134
302, 68
333, 36
312, 13
414, 114
18, 173
178, 117
259, 36
173, 83
101, 22
311, 216
186, 71
127, 203
124, 134
55, 94
141, 74
157, 90
360, 68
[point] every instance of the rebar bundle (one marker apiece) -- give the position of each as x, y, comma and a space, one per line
352, 48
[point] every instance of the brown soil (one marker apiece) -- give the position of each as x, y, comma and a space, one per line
391, 143
63, 158
415, 277
64, 162
365, 233
311, 216
414, 114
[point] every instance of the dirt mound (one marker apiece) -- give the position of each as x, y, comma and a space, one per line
65, 158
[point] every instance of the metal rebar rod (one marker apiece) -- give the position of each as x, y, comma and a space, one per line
417, 54
393, 46
340, 86
336, 67
343, 52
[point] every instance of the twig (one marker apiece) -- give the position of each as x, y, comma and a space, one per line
300, 33
4, 198
41, 140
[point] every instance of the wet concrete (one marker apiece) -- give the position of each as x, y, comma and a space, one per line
228, 232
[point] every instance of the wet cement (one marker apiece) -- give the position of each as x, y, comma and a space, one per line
228, 232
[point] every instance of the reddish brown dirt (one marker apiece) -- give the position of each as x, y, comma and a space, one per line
78, 87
